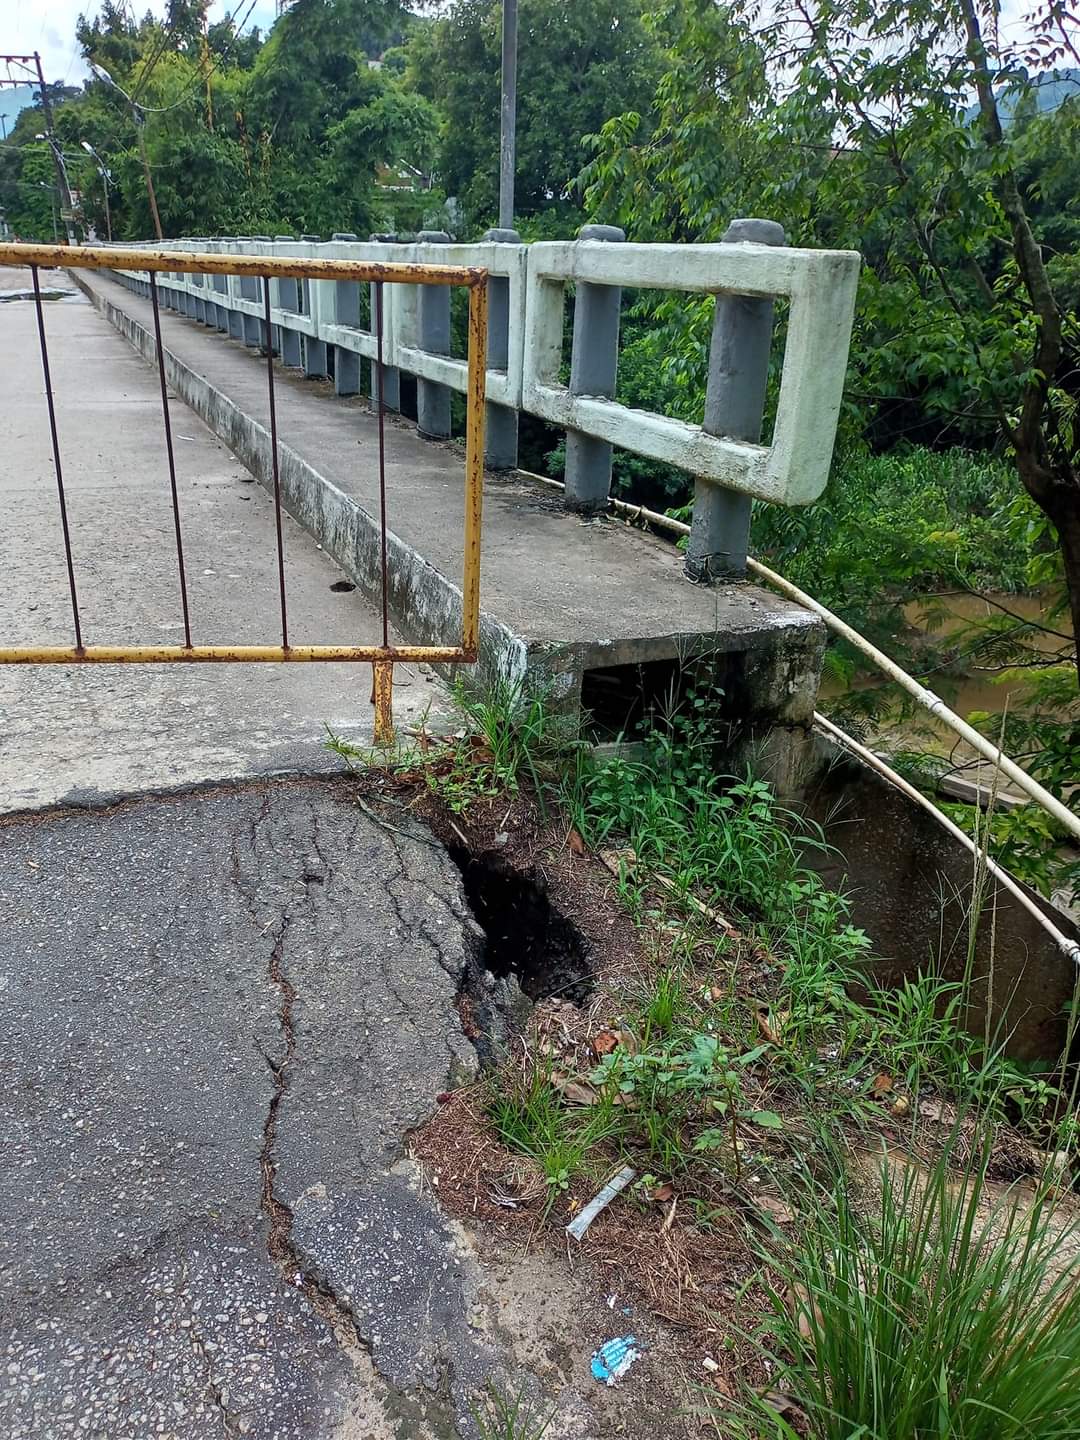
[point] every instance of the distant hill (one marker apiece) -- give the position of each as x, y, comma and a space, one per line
1048, 91
12, 101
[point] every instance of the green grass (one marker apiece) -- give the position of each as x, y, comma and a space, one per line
529, 1116
501, 1416
931, 1310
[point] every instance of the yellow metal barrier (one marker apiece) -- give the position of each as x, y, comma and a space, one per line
381, 657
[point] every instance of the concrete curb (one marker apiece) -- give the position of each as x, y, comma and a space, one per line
424, 605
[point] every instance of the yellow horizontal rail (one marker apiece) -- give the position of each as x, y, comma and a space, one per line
229, 654
196, 262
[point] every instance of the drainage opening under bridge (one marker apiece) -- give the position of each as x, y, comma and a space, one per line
531, 951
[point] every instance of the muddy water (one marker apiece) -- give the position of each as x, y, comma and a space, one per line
963, 693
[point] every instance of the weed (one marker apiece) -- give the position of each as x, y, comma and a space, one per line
936, 1310
501, 1416
522, 739
529, 1116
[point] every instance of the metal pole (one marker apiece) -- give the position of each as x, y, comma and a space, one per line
140, 120
508, 130
65, 193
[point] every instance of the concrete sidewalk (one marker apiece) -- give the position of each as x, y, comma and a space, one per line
77, 734
562, 595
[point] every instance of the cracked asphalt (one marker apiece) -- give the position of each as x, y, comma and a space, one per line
224, 1011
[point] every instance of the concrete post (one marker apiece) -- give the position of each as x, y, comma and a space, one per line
346, 312
433, 400
594, 363
288, 298
501, 428
249, 290
314, 349
236, 320
391, 374
734, 405
221, 288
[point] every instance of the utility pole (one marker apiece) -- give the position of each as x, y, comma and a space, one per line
138, 115
63, 189
103, 171
508, 114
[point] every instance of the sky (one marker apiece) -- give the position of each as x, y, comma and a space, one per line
48, 26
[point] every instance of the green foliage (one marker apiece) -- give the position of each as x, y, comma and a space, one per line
931, 1308
579, 62
891, 528
502, 1416
292, 135
528, 1116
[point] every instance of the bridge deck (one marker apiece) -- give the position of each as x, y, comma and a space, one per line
75, 733
578, 595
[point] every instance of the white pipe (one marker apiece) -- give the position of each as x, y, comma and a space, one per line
1070, 948
926, 698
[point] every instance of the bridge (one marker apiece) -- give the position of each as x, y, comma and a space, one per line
238, 998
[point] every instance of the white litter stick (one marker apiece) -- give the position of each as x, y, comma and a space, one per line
615, 1186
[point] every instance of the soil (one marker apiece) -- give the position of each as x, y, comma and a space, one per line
680, 1271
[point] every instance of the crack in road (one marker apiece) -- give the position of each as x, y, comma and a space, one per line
295, 1268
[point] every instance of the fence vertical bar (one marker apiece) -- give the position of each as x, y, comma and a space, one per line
734, 406
275, 466
56, 457
474, 466
159, 350
380, 411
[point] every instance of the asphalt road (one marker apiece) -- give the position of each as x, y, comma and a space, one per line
225, 1010
72, 733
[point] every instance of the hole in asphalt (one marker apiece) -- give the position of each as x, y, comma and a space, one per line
343, 587
526, 936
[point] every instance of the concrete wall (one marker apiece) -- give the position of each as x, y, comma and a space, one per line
911, 888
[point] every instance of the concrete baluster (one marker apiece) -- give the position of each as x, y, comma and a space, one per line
288, 298
734, 406
391, 374
501, 426
432, 399
594, 363
346, 311
314, 349
250, 289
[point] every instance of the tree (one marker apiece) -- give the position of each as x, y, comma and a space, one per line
579, 61
850, 121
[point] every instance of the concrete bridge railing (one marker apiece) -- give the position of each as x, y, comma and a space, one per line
328, 327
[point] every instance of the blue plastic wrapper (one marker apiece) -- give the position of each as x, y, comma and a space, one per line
613, 1360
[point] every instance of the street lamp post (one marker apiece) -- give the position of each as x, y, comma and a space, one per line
104, 173
54, 205
138, 114
508, 115
64, 190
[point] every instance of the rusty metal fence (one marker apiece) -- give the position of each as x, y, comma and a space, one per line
382, 656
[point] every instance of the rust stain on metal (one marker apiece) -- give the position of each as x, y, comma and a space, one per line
474, 466
382, 674
230, 654
199, 262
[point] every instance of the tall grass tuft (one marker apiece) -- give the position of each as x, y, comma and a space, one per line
931, 1311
